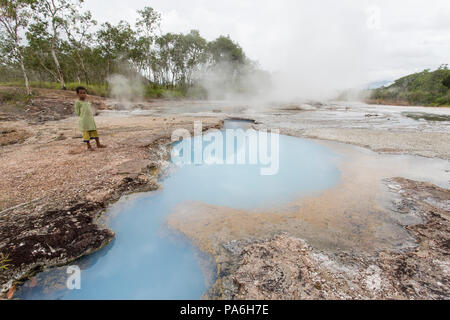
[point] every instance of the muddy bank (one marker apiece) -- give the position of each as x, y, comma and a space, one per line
53, 234
53, 190
286, 267
45, 105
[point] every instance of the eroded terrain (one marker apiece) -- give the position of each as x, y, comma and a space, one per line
53, 192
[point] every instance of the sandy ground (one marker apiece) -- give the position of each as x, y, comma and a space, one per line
53, 191
53, 161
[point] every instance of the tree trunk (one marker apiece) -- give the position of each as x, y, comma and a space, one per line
86, 78
83, 67
27, 84
55, 78
58, 68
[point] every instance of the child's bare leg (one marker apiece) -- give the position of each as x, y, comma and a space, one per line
89, 147
99, 145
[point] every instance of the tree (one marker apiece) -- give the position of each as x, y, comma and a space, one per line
223, 49
196, 54
446, 82
227, 62
116, 43
147, 24
51, 16
165, 46
38, 51
77, 28
60, 46
14, 16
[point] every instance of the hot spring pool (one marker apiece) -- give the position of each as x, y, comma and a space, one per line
147, 260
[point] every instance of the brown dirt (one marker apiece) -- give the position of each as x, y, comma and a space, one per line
46, 105
12, 136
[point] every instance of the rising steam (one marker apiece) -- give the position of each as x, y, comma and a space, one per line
125, 90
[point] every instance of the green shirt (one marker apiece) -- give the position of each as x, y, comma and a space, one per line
84, 111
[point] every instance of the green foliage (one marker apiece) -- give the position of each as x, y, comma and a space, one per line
423, 88
102, 90
446, 81
93, 88
223, 49
152, 92
61, 47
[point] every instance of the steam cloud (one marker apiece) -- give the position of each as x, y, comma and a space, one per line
315, 49
126, 90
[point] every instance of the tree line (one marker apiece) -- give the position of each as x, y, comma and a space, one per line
421, 88
59, 41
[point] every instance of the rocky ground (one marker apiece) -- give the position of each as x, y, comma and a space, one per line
285, 267
53, 191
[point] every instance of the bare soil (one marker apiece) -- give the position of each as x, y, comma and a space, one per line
45, 105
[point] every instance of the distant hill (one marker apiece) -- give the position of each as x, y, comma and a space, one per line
429, 88
379, 84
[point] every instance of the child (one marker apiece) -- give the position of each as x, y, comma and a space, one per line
86, 123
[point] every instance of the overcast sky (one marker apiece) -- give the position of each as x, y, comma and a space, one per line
349, 42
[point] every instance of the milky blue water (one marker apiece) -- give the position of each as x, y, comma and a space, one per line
148, 261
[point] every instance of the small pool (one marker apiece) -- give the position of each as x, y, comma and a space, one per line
147, 260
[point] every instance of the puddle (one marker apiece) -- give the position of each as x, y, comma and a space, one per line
149, 260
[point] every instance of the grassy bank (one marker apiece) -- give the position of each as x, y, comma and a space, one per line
103, 90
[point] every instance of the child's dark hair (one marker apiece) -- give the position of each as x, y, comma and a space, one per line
78, 89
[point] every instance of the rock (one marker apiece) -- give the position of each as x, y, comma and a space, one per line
100, 196
133, 167
233, 247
